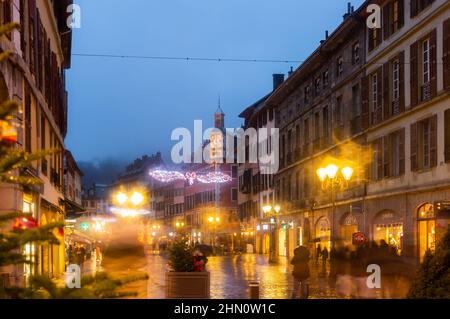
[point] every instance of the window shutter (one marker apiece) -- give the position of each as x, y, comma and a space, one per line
433, 63
401, 60
414, 81
433, 141
401, 152
447, 135
379, 36
414, 7
365, 102
446, 54
37, 38
386, 91
414, 148
23, 40
386, 156
379, 145
401, 13
32, 34
379, 109
371, 39
386, 20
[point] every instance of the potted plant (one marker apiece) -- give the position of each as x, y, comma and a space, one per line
186, 279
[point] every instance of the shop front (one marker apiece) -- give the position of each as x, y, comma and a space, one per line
348, 226
388, 228
433, 220
323, 233
53, 257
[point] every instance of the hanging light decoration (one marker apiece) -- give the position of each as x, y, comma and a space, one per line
166, 176
190, 177
214, 177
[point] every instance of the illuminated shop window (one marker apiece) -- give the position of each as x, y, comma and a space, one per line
427, 229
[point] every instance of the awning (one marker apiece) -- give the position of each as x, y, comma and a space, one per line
80, 237
72, 207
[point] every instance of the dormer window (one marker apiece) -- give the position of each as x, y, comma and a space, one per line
355, 54
317, 86
340, 66
307, 94
326, 78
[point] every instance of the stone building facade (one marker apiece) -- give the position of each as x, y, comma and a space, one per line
374, 99
35, 77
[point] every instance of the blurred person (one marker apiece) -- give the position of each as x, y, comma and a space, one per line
301, 272
318, 253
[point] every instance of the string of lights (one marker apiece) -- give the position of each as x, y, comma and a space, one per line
210, 59
201, 59
172, 176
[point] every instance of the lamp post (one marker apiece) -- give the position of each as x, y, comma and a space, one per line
273, 212
334, 178
128, 203
214, 221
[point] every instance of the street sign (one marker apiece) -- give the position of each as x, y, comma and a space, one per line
359, 238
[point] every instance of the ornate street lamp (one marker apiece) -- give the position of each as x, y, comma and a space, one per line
214, 221
334, 178
273, 213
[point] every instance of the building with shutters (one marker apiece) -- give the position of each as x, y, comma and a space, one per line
408, 98
34, 77
255, 189
378, 101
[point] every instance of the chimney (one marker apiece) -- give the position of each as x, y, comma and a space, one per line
349, 10
326, 35
278, 79
291, 71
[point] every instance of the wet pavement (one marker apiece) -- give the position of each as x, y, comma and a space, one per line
230, 277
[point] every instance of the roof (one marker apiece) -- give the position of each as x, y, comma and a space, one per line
73, 163
315, 59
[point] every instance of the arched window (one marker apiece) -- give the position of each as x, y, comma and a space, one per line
426, 228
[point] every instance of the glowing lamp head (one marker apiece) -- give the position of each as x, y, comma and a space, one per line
347, 172
137, 198
177, 225
277, 209
217, 220
267, 209
121, 198
332, 171
210, 219
322, 174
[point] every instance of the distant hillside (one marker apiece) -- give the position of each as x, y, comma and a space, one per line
102, 172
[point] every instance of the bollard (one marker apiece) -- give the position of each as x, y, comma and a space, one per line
254, 289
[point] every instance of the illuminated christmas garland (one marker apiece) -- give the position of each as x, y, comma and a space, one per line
214, 177
191, 177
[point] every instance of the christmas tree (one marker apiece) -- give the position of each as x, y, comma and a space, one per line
18, 229
433, 277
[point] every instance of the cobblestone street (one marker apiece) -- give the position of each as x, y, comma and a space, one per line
230, 276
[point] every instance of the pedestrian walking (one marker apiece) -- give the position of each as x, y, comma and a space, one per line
324, 259
301, 272
318, 253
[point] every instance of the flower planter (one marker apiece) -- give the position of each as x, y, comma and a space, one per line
188, 285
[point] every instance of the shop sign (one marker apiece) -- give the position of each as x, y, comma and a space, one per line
359, 238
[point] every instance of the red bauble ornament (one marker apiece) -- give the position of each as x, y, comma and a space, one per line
25, 223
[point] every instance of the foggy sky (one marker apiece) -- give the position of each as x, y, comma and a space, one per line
124, 108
